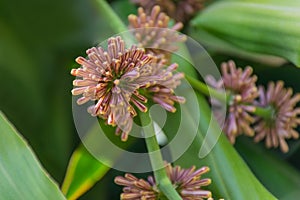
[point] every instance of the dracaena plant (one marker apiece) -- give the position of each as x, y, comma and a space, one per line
207, 131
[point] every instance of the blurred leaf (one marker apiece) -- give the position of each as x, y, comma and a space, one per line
277, 175
185, 65
266, 27
10, 46
33, 59
123, 9
22, 176
84, 170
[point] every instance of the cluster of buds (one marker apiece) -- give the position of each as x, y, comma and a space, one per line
247, 100
119, 80
182, 10
153, 33
187, 182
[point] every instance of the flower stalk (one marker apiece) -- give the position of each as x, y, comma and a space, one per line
266, 113
163, 182
206, 90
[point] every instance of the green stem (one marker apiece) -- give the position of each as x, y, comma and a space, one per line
266, 113
113, 20
160, 174
206, 90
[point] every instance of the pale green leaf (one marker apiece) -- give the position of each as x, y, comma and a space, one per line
83, 172
22, 176
84, 169
277, 175
261, 27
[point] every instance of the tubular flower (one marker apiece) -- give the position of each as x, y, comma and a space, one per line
187, 182
284, 119
182, 10
163, 91
137, 189
114, 79
241, 85
167, 6
153, 34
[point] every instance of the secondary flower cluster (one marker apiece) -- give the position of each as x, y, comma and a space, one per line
187, 182
182, 10
244, 112
120, 79
153, 33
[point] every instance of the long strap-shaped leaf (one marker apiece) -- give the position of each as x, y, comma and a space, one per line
22, 176
266, 27
276, 174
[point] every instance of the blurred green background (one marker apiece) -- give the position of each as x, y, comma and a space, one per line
39, 41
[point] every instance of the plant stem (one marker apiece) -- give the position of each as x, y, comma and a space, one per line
266, 113
206, 90
160, 174
113, 20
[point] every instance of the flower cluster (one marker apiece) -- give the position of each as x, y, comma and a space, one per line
182, 10
243, 116
136, 189
243, 91
284, 117
152, 32
187, 182
116, 78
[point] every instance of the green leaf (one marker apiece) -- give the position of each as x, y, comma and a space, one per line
123, 9
231, 177
185, 65
263, 27
278, 176
84, 170
22, 176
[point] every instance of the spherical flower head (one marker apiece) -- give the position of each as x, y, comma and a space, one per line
152, 32
187, 182
113, 79
241, 85
285, 116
